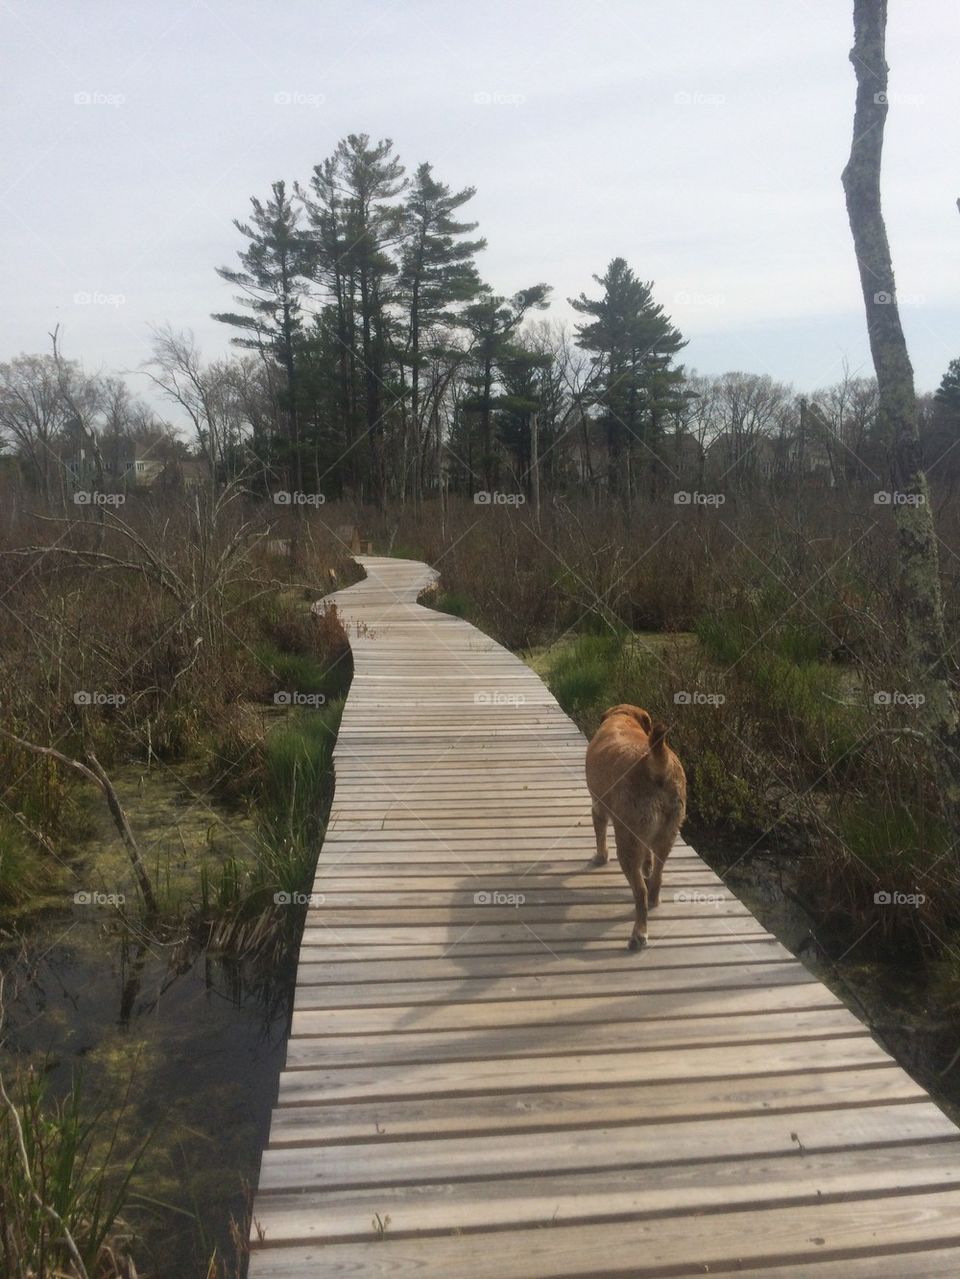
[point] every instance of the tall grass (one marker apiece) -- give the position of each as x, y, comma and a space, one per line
63, 1185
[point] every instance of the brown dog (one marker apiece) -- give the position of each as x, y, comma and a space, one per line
637, 782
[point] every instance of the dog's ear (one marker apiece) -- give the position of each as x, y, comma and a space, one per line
643, 719
658, 734
636, 712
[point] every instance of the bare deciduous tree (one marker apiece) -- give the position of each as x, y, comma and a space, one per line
921, 602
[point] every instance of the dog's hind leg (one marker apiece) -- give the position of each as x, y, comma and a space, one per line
631, 854
600, 830
661, 851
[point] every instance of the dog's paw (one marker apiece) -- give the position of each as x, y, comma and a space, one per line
636, 943
653, 903
599, 860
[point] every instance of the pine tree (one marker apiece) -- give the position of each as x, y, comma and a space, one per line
634, 342
522, 373
947, 397
437, 275
492, 322
369, 178
326, 207
275, 267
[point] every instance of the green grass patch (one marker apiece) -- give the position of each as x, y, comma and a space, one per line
258, 905
896, 841
70, 1163
583, 675
293, 672
20, 867
452, 602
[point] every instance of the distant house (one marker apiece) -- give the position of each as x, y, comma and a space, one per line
129, 464
126, 464
136, 468
768, 457
185, 472
682, 452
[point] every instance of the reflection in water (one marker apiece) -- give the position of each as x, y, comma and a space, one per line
189, 1042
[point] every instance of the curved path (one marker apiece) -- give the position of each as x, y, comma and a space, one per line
483, 1083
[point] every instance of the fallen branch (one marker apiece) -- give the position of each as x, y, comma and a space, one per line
93, 772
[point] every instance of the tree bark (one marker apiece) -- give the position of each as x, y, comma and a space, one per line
535, 465
919, 594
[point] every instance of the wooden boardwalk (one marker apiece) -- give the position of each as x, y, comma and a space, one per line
483, 1083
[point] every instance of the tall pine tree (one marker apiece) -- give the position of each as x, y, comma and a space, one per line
437, 276
634, 342
275, 267
492, 322
370, 178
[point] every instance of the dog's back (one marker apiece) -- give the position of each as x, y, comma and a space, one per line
632, 771
637, 782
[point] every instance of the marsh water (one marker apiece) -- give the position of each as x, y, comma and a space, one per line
889, 997
185, 1045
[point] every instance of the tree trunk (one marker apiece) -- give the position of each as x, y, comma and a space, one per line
920, 600
486, 427
535, 465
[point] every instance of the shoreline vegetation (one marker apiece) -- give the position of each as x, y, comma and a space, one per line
806, 787
190, 669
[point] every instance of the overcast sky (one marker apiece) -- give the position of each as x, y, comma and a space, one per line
702, 140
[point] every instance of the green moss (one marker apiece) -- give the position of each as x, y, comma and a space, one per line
583, 675
21, 868
451, 602
723, 798
897, 842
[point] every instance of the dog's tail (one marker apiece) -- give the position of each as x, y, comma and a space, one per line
658, 737
656, 760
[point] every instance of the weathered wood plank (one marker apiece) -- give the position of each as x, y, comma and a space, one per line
393, 1163
327, 1082
499, 1088
527, 1041
597, 1107
721, 1243
571, 1198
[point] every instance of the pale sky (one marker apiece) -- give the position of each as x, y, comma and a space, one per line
702, 140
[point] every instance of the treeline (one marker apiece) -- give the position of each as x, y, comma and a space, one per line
378, 366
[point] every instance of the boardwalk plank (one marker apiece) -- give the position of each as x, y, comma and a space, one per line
500, 1089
